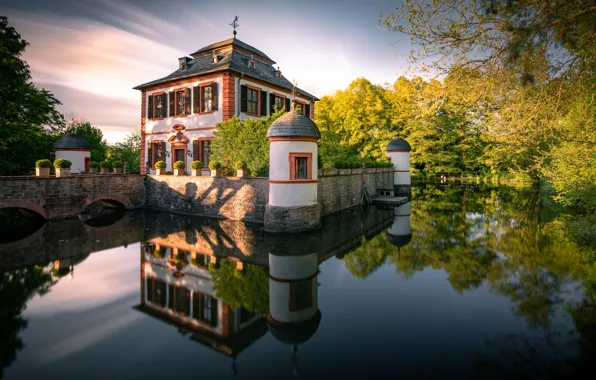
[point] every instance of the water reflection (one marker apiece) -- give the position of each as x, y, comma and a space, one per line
233, 289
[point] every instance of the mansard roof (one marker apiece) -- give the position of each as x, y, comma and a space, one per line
234, 42
233, 60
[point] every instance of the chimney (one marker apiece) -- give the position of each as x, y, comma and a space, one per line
183, 63
251, 62
214, 57
278, 72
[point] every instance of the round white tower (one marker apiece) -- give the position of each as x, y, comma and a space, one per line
293, 171
398, 151
399, 234
294, 314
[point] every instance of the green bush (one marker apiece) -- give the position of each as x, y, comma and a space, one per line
181, 256
215, 165
196, 165
354, 164
93, 164
160, 165
160, 253
104, 165
62, 163
369, 164
169, 173
117, 165
339, 165
45, 163
180, 165
240, 165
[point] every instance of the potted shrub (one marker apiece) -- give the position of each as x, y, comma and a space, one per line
179, 167
62, 167
215, 168
42, 168
117, 165
160, 167
104, 167
93, 165
196, 167
241, 169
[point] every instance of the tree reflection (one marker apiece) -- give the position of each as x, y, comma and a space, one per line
16, 289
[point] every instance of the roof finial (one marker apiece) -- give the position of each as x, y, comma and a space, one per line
234, 24
295, 84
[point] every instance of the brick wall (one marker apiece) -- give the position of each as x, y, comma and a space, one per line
342, 189
55, 198
229, 96
143, 141
228, 197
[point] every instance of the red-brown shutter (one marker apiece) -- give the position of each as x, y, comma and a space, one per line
150, 162
214, 97
196, 150
187, 101
214, 312
243, 98
195, 99
172, 102
150, 107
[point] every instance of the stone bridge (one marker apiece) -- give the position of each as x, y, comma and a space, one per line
55, 198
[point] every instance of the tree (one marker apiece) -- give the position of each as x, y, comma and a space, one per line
28, 118
127, 151
244, 140
93, 134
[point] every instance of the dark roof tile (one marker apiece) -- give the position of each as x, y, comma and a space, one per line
293, 124
72, 141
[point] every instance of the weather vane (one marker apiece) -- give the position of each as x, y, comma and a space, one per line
234, 24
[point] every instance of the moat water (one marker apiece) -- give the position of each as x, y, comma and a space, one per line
488, 285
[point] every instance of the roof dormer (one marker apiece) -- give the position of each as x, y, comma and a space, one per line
251, 62
183, 63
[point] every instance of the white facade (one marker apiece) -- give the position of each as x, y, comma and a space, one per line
401, 167
289, 194
287, 274
77, 157
401, 221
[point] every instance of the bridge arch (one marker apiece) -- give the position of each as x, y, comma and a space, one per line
122, 199
24, 204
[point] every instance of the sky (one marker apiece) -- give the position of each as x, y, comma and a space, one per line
91, 53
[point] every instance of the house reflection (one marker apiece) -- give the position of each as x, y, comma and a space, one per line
177, 288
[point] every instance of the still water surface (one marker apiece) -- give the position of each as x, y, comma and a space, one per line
465, 282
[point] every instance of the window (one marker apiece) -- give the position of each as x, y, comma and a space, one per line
252, 105
300, 295
179, 300
207, 97
156, 152
201, 151
156, 291
299, 107
157, 106
180, 105
204, 308
279, 102
300, 166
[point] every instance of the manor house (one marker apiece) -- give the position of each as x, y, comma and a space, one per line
179, 112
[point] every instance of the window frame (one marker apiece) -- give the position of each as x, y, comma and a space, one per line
153, 150
164, 105
176, 91
293, 156
201, 86
302, 106
281, 97
258, 103
150, 294
201, 150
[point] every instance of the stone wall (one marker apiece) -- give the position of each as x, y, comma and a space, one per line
340, 189
55, 198
228, 197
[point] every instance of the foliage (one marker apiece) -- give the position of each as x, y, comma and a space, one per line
128, 150
196, 165
235, 140
214, 165
240, 165
179, 165
93, 164
45, 163
160, 253
160, 165
169, 173
104, 165
29, 121
62, 163
117, 165
249, 290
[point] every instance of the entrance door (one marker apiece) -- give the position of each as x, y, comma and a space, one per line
179, 155
87, 159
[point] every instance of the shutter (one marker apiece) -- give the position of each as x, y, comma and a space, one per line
150, 107
263, 103
159, 154
307, 108
150, 162
243, 98
172, 101
214, 312
288, 104
196, 156
195, 99
171, 296
187, 101
271, 104
214, 97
